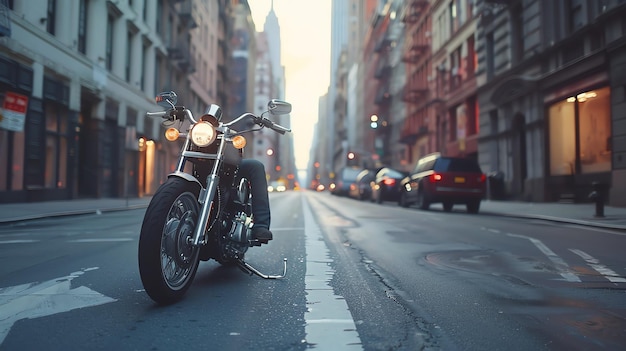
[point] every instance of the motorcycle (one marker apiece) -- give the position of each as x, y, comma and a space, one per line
203, 210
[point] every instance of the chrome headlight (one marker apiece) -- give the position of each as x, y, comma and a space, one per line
203, 134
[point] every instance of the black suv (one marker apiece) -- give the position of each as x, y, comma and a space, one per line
448, 180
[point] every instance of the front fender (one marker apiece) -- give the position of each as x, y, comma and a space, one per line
186, 176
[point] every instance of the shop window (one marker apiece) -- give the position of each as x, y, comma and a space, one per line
595, 130
562, 138
589, 149
56, 146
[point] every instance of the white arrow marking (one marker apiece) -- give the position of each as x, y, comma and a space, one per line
35, 300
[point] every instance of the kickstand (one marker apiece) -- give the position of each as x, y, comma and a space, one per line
246, 267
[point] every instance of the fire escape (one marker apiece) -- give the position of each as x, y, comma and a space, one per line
415, 92
179, 49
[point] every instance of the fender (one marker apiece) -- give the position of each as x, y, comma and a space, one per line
186, 176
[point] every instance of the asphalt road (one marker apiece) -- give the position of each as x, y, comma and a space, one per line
360, 276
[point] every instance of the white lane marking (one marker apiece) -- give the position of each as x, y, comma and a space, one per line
25, 241
565, 272
35, 300
600, 268
329, 323
100, 240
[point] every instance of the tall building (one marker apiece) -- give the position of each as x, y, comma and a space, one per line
275, 150
532, 89
76, 78
551, 83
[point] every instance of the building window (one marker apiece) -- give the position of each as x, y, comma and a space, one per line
580, 133
517, 33
454, 19
493, 122
50, 16
576, 15
82, 27
129, 55
144, 59
159, 17
489, 55
109, 43
471, 58
56, 146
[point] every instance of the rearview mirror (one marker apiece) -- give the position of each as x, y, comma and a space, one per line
278, 107
167, 99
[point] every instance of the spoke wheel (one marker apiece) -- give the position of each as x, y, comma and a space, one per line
167, 259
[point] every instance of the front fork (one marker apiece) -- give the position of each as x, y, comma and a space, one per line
206, 199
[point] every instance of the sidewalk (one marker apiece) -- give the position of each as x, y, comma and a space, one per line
18, 212
582, 214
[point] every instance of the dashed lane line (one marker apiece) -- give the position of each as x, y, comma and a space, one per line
605, 271
559, 263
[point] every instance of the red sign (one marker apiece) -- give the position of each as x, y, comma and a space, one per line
13, 111
15, 102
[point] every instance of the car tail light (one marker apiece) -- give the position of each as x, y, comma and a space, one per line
435, 177
483, 178
389, 181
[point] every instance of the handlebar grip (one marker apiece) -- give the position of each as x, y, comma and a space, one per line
280, 129
161, 114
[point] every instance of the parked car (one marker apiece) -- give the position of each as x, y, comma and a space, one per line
344, 179
363, 189
446, 180
386, 185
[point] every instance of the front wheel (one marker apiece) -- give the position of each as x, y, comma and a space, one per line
167, 260
422, 200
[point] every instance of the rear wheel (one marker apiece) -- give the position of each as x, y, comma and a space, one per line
473, 206
403, 201
379, 196
167, 260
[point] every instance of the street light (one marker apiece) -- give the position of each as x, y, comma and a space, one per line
351, 155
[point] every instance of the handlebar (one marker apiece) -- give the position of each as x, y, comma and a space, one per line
275, 127
156, 114
262, 121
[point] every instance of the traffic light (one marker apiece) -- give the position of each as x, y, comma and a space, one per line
374, 122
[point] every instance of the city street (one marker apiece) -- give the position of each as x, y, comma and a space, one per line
360, 276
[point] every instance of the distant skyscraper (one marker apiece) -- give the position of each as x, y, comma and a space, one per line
272, 33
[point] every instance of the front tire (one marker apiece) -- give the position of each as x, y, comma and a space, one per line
422, 200
167, 260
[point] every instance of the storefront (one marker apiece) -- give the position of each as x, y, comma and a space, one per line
579, 138
37, 137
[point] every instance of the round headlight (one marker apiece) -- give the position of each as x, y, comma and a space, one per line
203, 134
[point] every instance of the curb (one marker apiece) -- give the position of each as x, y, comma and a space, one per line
558, 220
70, 213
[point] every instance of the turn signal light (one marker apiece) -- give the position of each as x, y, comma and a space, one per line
239, 142
172, 134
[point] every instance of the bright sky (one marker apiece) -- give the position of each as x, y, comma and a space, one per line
305, 46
